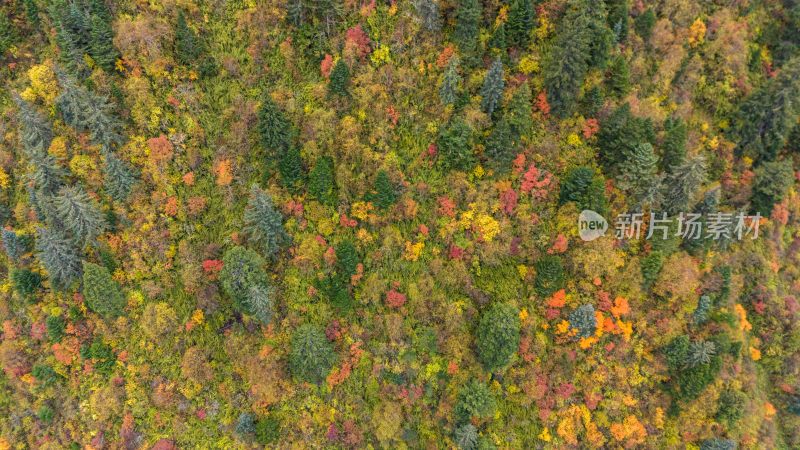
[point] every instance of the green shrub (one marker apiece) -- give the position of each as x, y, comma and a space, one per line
675, 352
474, 399
55, 328
549, 275
311, 356
101, 292
498, 336
730, 407
45, 374
651, 266
45, 414
268, 430
25, 282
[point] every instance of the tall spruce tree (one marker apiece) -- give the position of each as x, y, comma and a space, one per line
12, 244
48, 175
638, 171
291, 169
585, 188
119, 177
347, 259
384, 192
339, 79
263, 223
766, 118
84, 110
492, 88
466, 31
321, 182
274, 129
455, 146
499, 150
618, 21
673, 147
259, 303
497, 43
681, 186
520, 23
566, 65
772, 181
102, 46
188, 47
583, 42
619, 134
80, 214
37, 131
619, 77
101, 292
448, 87
242, 268
58, 257
98, 8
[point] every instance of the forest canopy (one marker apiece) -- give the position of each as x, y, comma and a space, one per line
363, 224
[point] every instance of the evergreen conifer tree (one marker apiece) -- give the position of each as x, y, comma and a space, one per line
339, 79
12, 244
638, 170
321, 182
346, 259
274, 128
263, 223
58, 257
465, 34
242, 268
455, 146
102, 46
618, 12
644, 23
119, 177
681, 185
259, 303
499, 149
584, 320
448, 87
619, 77
187, 44
492, 87
772, 181
674, 145
498, 40
98, 8
474, 400
582, 186
37, 132
291, 168
384, 192
520, 23
80, 214
766, 118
